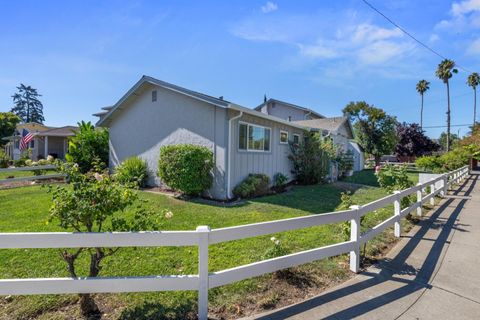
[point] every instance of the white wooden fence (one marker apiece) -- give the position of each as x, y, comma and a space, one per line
32, 178
203, 236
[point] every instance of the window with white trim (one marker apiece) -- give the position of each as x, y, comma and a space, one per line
296, 138
253, 138
283, 137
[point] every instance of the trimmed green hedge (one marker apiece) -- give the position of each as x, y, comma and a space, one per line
186, 168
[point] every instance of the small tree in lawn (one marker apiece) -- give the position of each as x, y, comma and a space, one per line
27, 104
94, 203
374, 129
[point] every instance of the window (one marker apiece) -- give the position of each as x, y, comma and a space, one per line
154, 95
283, 137
289, 118
296, 138
253, 138
32, 143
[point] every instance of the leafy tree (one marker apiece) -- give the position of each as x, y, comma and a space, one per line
445, 71
311, 159
94, 202
27, 104
87, 146
8, 123
422, 87
442, 140
412, 142
473, 81
374, 129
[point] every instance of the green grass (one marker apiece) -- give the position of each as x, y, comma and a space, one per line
26, 210
367, 177
18, 174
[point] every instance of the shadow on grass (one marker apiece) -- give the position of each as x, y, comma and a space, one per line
149, 310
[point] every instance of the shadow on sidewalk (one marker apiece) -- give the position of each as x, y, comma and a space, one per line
396, 266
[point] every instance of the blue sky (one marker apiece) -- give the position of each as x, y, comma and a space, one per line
82, 55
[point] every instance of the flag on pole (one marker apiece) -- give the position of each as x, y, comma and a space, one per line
26, 138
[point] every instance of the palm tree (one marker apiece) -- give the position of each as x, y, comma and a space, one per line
445, 71
473, 81
422, 87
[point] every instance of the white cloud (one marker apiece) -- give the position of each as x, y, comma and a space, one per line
474, 47
464, 15
269, 7
433, 38
465, 7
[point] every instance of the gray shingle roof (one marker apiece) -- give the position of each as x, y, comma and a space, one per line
59, 132
330, 124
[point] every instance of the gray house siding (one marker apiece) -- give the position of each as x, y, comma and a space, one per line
143, 126
271, 162
286, 112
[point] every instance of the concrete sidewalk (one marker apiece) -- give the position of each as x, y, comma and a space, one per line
432, 273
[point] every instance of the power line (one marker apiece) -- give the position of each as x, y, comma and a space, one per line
444, 126
411, 36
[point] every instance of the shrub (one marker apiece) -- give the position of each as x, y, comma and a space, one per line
253, 186
432, 163
311, 159
455, 159
395, 178
3, 160
345, 161
88, 146
279, 182
132, 171
186, 168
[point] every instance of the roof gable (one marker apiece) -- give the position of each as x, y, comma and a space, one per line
291, 105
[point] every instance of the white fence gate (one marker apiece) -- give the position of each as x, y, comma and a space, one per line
203, 236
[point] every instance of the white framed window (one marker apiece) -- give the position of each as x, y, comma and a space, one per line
283, 137
296, 138
253, 137
154, 95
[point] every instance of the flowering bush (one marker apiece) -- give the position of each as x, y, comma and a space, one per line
276, 250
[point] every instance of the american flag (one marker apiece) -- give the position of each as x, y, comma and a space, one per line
26, 138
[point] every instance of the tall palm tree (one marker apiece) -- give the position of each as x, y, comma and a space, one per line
422, 87
473, 81
445, 71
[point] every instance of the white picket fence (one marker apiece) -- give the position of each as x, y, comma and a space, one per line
32, 178
203, 236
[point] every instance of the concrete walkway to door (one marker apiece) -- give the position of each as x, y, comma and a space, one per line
432, 273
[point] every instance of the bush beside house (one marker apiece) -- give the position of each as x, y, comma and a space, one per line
186, 168
254, 185
132, 171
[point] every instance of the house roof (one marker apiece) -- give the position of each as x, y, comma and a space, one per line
220, 102
65, 131
290, 105
330, 124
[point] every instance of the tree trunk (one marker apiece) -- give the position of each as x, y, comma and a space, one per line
474, 108
377, 160
421, 115
88, 307
448, 116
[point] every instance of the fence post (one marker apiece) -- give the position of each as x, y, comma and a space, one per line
432, 191
355, 236
419, 200
203, 240
397, 210
445, 184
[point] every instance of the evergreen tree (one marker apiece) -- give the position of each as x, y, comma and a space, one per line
27, 104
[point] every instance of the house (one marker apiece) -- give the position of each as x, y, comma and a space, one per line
287, 111
47, 141
154, 113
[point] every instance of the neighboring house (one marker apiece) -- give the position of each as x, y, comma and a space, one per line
358, 156
154, 113
47, 141
287, 111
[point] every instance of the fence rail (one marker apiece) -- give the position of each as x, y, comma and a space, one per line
202, 237
31, 178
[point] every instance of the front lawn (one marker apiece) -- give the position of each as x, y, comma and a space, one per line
367, 177
26, 209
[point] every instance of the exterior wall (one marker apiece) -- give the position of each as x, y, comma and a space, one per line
143, 126
358, 157
286, 112
269, 163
